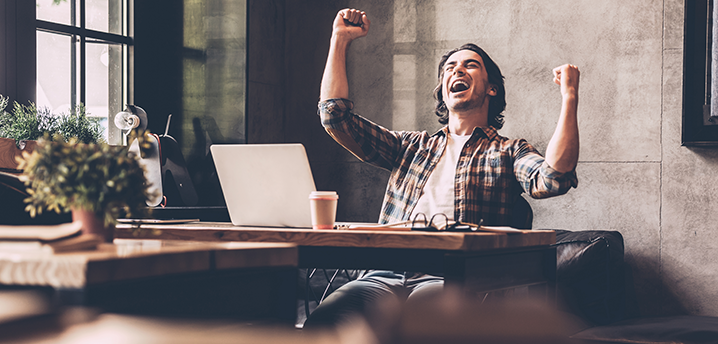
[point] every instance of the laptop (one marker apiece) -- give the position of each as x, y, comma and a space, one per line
266, 185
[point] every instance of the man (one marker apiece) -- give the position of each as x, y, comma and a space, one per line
465, 171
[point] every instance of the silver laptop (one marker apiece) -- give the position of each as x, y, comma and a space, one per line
265, 184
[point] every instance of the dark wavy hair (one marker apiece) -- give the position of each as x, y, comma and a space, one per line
497, 103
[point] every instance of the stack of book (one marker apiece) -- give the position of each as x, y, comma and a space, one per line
64, 237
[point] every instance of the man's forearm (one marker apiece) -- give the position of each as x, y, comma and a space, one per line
562, 150
334, 80
349, 24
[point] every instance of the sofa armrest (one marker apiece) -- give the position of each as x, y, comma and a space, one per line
590, 275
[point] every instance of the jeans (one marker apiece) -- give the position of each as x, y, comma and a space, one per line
370, 294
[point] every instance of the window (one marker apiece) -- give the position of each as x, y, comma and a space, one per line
83, 57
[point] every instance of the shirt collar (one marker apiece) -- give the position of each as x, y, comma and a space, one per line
444, 131
489, 132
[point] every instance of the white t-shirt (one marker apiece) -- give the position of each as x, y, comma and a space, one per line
438, 193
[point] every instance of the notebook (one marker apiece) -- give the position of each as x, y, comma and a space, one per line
265, 185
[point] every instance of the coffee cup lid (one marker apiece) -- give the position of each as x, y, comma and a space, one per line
324, 194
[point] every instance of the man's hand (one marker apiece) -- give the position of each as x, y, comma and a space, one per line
351, 24
567, 77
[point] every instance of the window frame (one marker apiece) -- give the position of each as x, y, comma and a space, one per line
78, 31
697, 128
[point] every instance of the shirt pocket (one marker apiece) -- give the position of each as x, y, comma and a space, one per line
490, 167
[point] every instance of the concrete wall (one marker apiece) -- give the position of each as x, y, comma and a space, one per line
634, 176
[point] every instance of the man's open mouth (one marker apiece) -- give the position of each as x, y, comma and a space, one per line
459, 86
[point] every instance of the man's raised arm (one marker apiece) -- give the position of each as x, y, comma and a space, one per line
349, 24
562, 150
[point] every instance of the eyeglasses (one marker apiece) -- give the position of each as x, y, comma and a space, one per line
419, 223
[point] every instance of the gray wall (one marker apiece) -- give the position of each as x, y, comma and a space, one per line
634, 176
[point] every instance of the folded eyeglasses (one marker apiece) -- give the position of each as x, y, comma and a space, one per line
419, 223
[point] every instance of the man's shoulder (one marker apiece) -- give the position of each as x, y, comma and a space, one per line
515, 145
493, 135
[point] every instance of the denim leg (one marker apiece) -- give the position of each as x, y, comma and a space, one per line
424, 287
357, 298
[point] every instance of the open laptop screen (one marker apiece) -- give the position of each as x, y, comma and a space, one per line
265, 184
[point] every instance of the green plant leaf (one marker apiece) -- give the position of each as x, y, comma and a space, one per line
27, 122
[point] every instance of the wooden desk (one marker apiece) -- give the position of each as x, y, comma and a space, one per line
475, 262
181, 278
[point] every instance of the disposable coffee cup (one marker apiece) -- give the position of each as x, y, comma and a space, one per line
323, 205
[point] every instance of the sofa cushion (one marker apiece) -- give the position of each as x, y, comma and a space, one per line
687, 329
590, 275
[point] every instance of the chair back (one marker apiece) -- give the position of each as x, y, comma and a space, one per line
522, 215
12, 205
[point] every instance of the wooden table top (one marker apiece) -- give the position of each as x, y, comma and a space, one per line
130, 259
459, 241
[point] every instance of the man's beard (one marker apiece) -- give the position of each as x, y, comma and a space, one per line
467, 104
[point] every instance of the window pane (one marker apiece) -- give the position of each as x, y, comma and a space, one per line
117, 79
104, 15
97, 79
214, 70
57, 11
54, 70
104, 80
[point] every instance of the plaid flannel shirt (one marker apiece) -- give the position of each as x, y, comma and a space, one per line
492, 170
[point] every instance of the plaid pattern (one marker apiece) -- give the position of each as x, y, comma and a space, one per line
492, 170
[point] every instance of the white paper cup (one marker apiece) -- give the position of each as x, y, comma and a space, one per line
323, 205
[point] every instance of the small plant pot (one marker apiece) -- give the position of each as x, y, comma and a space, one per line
93, 224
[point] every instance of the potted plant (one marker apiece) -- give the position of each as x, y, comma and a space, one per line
98, 182
24, 124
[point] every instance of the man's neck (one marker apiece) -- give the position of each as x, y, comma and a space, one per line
464, 123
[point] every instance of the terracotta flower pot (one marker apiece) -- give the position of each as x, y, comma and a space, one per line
93, 224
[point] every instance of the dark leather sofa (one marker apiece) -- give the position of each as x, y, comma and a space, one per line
595, 284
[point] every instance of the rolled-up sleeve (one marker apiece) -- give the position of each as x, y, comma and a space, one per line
367, 140
334, 113
537, 177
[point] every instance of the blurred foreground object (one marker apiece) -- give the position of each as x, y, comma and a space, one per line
85, 325
454, 318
